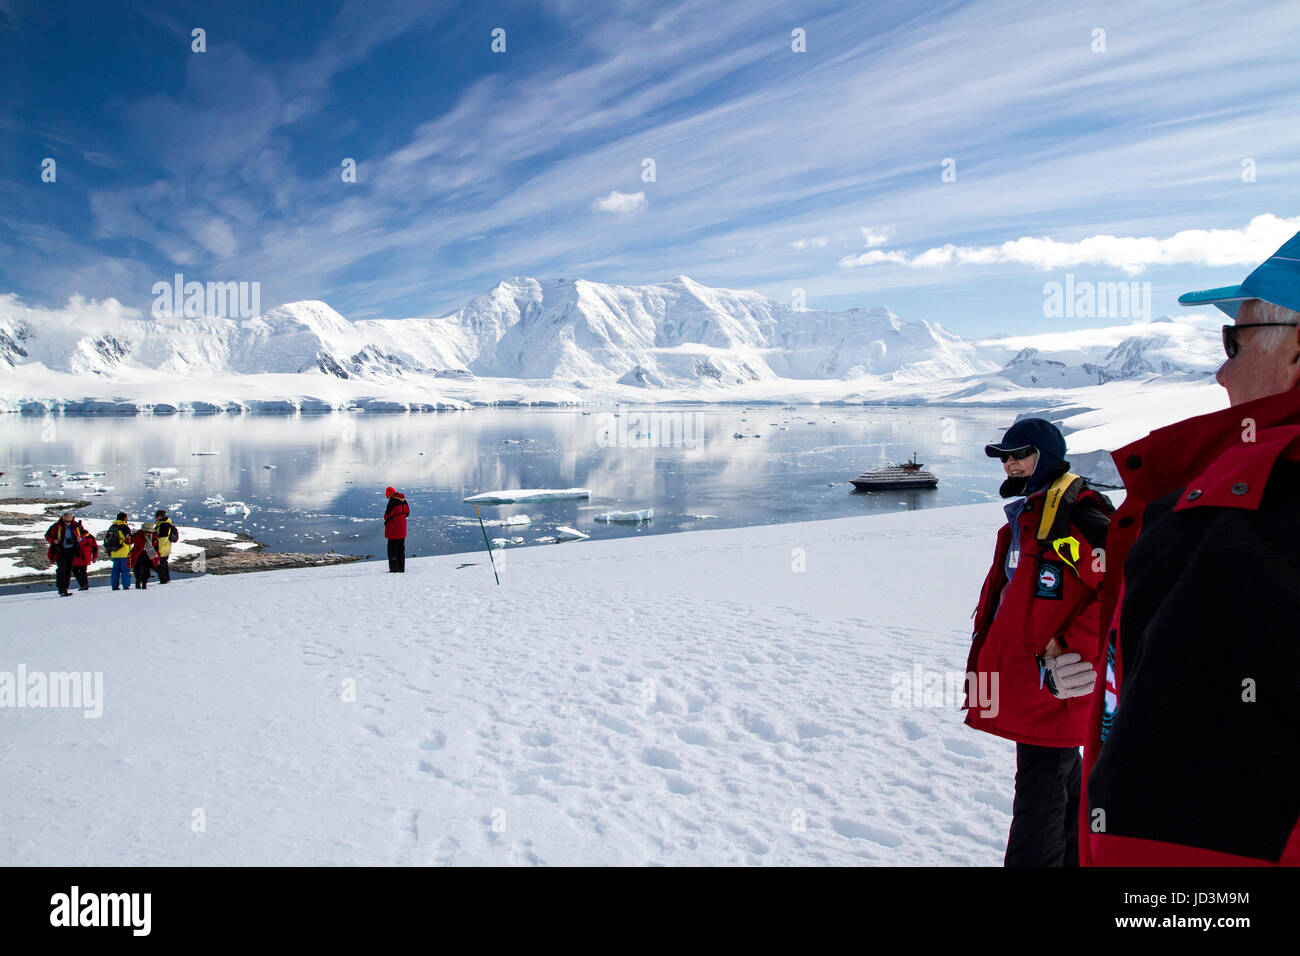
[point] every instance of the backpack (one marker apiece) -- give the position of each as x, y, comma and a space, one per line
113, 539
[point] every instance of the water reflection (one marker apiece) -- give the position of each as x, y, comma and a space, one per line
315, 482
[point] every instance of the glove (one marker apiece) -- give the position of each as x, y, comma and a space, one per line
1068, 675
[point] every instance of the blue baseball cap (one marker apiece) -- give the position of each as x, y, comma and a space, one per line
1277, 280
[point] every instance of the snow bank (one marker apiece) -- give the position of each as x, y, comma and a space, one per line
561, 718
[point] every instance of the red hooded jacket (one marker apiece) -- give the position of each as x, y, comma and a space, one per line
1051, 595
395, 516
1193, 751
137, 547
87, 547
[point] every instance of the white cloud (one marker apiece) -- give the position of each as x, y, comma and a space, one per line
1132, 254
817, 242
217, 237
621, 204
874, 237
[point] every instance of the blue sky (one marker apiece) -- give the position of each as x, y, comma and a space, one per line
775, 170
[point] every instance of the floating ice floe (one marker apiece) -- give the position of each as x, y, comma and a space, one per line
562, 534
216, 499
204, 453
34, 484
162, 472
510, 521
502, 542
269, 467
627, 517
528, 494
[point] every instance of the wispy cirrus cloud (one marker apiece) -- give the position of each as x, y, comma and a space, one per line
759, 151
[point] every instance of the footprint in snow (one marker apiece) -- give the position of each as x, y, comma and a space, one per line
911, 729
858, 830
445, 853
678, 785
967, 748
610, 722
999, 800
663, 759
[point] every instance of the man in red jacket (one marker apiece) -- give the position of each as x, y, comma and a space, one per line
1193, 756
72, 549
1036, 637
395, 530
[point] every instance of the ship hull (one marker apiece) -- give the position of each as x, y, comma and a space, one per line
892, 484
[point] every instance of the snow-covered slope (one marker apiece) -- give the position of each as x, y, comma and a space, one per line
559, 719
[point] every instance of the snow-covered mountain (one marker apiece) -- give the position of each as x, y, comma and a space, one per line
677, 332
558, 340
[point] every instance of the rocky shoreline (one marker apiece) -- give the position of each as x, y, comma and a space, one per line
22, 546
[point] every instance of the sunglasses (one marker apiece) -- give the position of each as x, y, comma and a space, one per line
1230, 344
1019, 454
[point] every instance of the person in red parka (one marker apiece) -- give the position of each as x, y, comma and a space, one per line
72, 549
1036, 637
87, 556
1193, 753
144, 554
395, 516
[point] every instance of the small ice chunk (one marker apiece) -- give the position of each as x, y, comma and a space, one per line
627, 517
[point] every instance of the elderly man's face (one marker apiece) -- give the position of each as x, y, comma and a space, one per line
1253, 373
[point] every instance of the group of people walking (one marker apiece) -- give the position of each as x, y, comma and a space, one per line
73, 549
1161, 637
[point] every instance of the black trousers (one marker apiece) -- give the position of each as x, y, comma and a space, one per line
143, 566
397, 554
164, 572
63, 569
1045, 812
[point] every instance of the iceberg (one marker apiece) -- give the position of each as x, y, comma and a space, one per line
528, 494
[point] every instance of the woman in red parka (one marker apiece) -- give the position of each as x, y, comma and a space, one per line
395, 515
87, 555
1037, 637
144, 554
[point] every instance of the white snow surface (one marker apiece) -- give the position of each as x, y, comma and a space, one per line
674, 699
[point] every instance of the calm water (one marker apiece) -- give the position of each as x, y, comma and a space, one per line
325, 489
